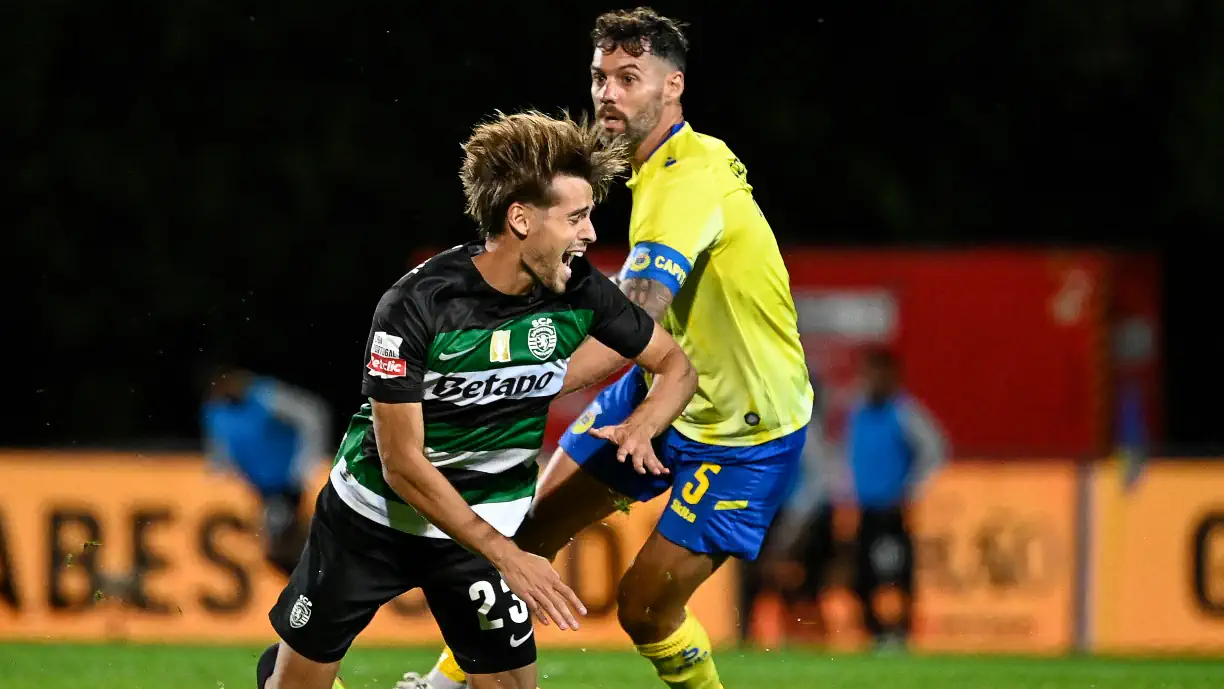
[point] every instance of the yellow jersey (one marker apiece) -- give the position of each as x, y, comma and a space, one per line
696, 228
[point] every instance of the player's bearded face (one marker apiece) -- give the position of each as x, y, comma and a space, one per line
639, 125
559, 233
627, 93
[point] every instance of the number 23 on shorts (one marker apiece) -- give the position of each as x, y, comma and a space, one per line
482, 591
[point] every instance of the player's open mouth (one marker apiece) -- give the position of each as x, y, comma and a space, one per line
566, 259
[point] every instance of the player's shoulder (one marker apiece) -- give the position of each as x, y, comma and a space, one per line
432, 279
585, 279
909, 406
706, 152
698, 159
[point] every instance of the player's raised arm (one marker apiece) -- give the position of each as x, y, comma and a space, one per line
594, 361
629, 332
675, 381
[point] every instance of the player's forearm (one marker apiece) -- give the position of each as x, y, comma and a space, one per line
421, 485
595, 361
675, 381
591, 363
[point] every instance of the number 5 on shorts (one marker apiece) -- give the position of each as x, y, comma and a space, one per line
483, 591
694, 490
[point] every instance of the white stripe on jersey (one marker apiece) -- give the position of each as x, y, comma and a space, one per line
485, 461
486, 387
504, 516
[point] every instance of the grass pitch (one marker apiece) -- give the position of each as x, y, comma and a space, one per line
68, 666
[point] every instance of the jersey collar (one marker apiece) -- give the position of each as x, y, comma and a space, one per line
676, 128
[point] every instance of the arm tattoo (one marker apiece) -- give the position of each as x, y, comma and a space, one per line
651, 295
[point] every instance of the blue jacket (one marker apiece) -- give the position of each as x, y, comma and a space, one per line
272, 436
889, 448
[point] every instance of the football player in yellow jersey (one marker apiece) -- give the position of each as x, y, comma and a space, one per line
704, 262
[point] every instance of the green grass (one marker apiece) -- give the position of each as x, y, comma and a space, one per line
32, 666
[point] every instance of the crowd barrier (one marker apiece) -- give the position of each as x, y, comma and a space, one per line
1034, 557
189, 539
1156, 570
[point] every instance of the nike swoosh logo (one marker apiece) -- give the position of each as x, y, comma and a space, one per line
515, 643
452, 355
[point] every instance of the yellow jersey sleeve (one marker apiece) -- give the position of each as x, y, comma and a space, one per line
671, 236
694, 218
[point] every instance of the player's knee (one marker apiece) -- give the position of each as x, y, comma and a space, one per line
644, 616
632, 609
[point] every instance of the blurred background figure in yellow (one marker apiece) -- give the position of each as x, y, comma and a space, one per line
272, 435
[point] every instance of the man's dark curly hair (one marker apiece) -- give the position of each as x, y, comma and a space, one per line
638, 30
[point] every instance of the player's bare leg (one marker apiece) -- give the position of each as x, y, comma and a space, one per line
292, 671
652, 606
522, 678
568, 500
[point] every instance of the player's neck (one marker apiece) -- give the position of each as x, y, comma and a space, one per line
501, 265
671, 118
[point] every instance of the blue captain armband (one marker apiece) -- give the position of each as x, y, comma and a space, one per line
654, 261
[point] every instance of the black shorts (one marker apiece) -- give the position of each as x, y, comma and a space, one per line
351, 566
817, 552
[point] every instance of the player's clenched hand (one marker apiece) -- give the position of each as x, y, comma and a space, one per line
537, 584
634, 442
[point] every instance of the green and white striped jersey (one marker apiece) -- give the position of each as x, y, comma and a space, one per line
484, 366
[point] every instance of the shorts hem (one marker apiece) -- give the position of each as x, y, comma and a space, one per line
706, 549
616, 482
703, 547
321, 658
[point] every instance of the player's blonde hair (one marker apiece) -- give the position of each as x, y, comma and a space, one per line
515, 158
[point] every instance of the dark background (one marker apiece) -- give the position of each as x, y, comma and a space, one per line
212, 179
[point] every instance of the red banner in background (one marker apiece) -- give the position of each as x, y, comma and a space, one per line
1006, 348
1016, 352
1012, 350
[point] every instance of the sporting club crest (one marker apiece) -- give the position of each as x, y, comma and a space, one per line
300, 614
542, 338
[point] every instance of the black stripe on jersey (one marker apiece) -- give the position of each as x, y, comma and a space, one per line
484, 313
491, 414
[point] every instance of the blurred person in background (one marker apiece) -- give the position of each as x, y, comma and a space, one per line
893, 446
272, 435
798, 548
